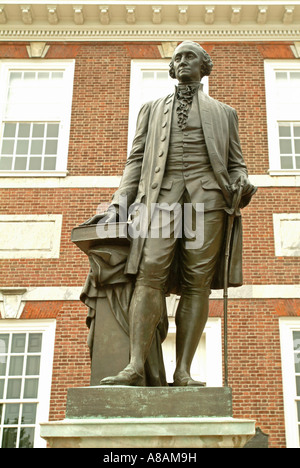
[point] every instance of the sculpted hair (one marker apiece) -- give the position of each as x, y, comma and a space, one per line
206, 65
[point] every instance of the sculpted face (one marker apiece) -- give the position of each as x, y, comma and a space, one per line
187, 60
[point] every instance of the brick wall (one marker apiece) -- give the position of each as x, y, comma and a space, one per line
98, 146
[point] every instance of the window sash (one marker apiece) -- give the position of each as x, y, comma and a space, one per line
26, 403
283, 103
25, 108
148, 82
290, 357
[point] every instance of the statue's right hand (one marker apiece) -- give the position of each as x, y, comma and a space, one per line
107, 217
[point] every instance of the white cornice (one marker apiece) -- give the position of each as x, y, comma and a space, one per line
139, 20
119, 35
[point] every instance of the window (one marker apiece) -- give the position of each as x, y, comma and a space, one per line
35, 115
207, 362
150, 80
283, 103
26, 353
290, 355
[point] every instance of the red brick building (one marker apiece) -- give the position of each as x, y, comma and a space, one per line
72, 79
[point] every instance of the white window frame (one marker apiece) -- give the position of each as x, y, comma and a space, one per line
286, 326
207, 363
284, 249
47, 328
68, 66
270, 67
135, 102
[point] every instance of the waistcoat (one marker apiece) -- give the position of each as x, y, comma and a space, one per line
188, 160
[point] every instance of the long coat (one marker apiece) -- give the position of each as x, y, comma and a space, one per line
144, 169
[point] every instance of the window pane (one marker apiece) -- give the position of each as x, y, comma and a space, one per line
297, 130
1, 388
58, 75
49, 164
43, 75
35, 164
13, 388
298, 408
4, 338
20, 164
35, 343
16, 365
22, 146
9, 438
51, 147
285, 146
33, 365
148, 75
38, 130
286, 162
36, 147
8, 147
297, 146
31, 388
52, 130
9, 130
18, 343
295, 76
12, 413
24, 130
297, 362
3, 360
5, 164
298, 385
162, 75
15, 76
296, 340
284, 130
26, 437
29, 76
28, 413
297, 163
1, 410
281, 76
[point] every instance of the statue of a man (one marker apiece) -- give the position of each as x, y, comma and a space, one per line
186, 150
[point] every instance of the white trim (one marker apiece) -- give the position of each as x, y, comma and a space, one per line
47, 327
286, 239
136, 89
207, 363
272, 112
67, 182
72, 293
286, 326
41, 239
133, 34
56, 182
64, 117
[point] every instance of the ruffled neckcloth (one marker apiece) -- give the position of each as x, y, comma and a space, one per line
184, 97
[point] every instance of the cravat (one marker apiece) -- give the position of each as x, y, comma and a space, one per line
184, 96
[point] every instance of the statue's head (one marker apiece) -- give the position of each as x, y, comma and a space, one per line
190, 62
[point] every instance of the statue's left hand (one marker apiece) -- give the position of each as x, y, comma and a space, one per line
243, 181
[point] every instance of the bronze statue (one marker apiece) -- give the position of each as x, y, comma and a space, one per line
186, 150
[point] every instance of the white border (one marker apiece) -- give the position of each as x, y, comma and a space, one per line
279, 250
47, 327
137, 65
249, 291
262, 180
68, 65
286, 326
54, 250
274, 158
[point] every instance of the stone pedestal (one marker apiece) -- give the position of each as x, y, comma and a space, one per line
147, 417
